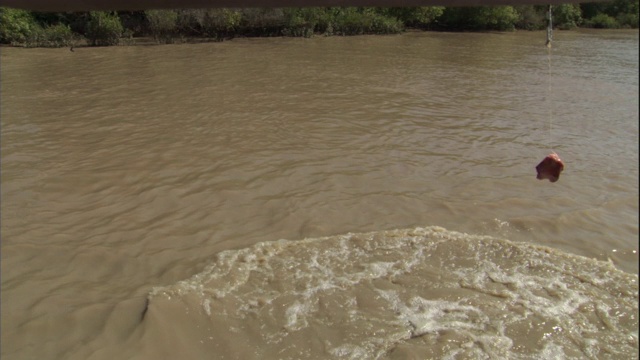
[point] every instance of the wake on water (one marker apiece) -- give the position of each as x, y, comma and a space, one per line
424, 293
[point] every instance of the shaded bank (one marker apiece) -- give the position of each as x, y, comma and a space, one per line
99, 28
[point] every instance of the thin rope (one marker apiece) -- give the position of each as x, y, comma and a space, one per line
549, 39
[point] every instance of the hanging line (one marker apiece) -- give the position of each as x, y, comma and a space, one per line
549, 39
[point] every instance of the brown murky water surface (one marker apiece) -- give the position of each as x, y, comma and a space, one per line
146, 190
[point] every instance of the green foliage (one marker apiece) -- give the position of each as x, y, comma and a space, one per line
23, 28
162, 24
262, 22
134, 22
59, 35
301, 22
347, 21
19, 28
617, 7
219, 23
530, 17
418, 17
628, 21
501, 18
385, 25
602, 21
104, 28
189, 22
617, 13
423, 16
626, 13
16, 26
210, 23
358, 21
567, 16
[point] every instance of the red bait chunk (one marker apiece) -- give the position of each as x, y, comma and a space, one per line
550, 168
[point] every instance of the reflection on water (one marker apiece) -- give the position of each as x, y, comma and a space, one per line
127, 168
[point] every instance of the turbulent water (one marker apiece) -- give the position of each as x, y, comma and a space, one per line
421, 293
325, 198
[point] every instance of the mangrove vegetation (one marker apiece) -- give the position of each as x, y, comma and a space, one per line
100, 28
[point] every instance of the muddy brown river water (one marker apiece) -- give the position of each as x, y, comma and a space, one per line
365, 197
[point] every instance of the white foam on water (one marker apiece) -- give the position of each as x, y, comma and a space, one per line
349, 351
426, 316
547, 296
424, 292
552, 351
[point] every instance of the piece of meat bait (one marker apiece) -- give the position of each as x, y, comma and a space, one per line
550, 168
